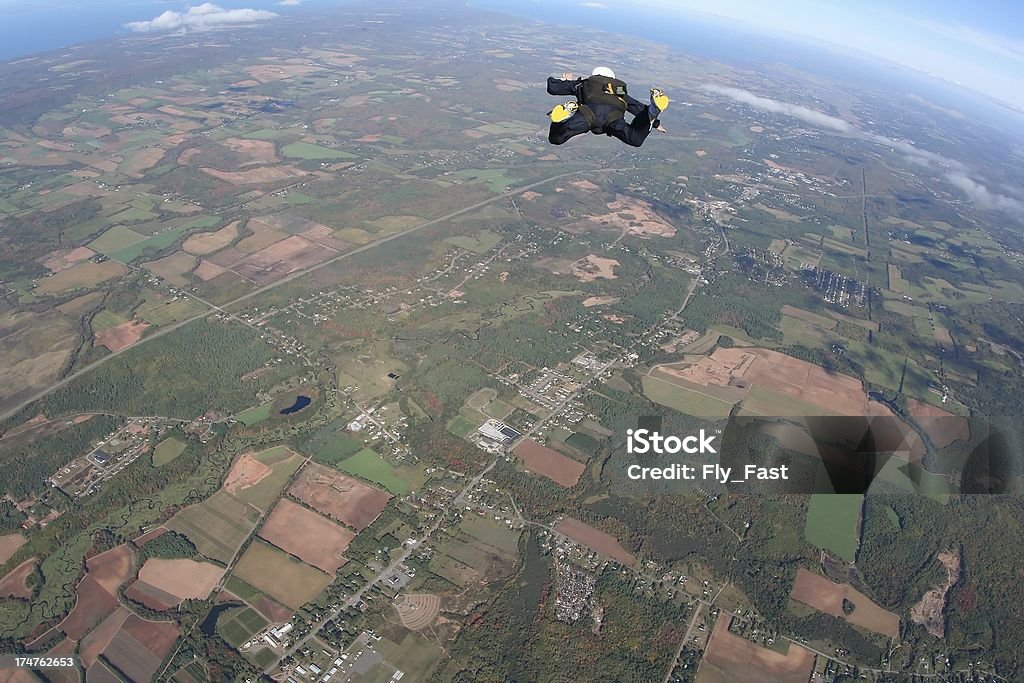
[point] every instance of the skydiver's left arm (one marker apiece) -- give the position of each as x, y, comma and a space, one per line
563, 86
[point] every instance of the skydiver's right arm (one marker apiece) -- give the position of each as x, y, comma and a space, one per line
560, 86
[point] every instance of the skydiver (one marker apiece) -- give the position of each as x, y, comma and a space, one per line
600, 107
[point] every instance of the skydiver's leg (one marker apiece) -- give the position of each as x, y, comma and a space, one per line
635, 132
570, 128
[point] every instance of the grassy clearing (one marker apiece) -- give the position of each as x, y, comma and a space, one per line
484, 241
311, 152
341, 446
157, 311
255, 415
167, 450
105, 319
461, 427
684, 400
833, 520
368, 465
283, 578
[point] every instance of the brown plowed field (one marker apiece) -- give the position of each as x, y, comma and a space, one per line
744, 662
12, 585
151, 597
595, 539
549, 463
112, 568
203, 243
182, 578
149, 536
345, 499
98, 639
782, 377
118, 337
942, 426
312, 538
283, 257
92, 605
825, 596
9, 544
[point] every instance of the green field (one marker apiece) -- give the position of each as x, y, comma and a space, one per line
279, 575
118, 237
340, 447
484, 241
167, 450
491, 532
156, 311
461, 427
155, 243
217, 526
684, 400
263, 494
415, 655
371, 467
833, 520
105, 319
240, 624
310, 152
255, 415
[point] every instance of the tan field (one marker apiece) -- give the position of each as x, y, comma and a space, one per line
207, 270
825, 596
262, 174
780, 384
62, 259
595, 539
120, 336
247, 471
203, 243
591, 267
942, 426
172, 268
80, 275
549, 463
599, 301
12, 585
312, 538
345, 499
9, 544
182, 578
741, 661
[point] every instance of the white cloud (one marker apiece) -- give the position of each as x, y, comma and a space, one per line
594, 5
198, 18
811, 116
953, 171
289, 3
982, 196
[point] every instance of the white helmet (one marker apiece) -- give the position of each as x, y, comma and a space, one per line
603, 71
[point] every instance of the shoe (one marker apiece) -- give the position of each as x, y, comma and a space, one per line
659, 100
563, 111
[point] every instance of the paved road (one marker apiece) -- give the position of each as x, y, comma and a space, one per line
686, 638
387, 571
297, 274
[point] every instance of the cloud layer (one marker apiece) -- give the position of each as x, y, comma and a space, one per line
199, 18
954, 172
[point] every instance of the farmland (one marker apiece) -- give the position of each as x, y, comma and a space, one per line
290, 582
312, 538
335, 495
549, 463
828, 597
740, 661
185, 579
217, 526
367, 465
595, 539
833, 520
259, 478
240, 624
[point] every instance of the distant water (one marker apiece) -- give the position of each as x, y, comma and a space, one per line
31, 26
300, 403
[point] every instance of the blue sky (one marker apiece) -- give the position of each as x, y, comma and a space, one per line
978, 44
